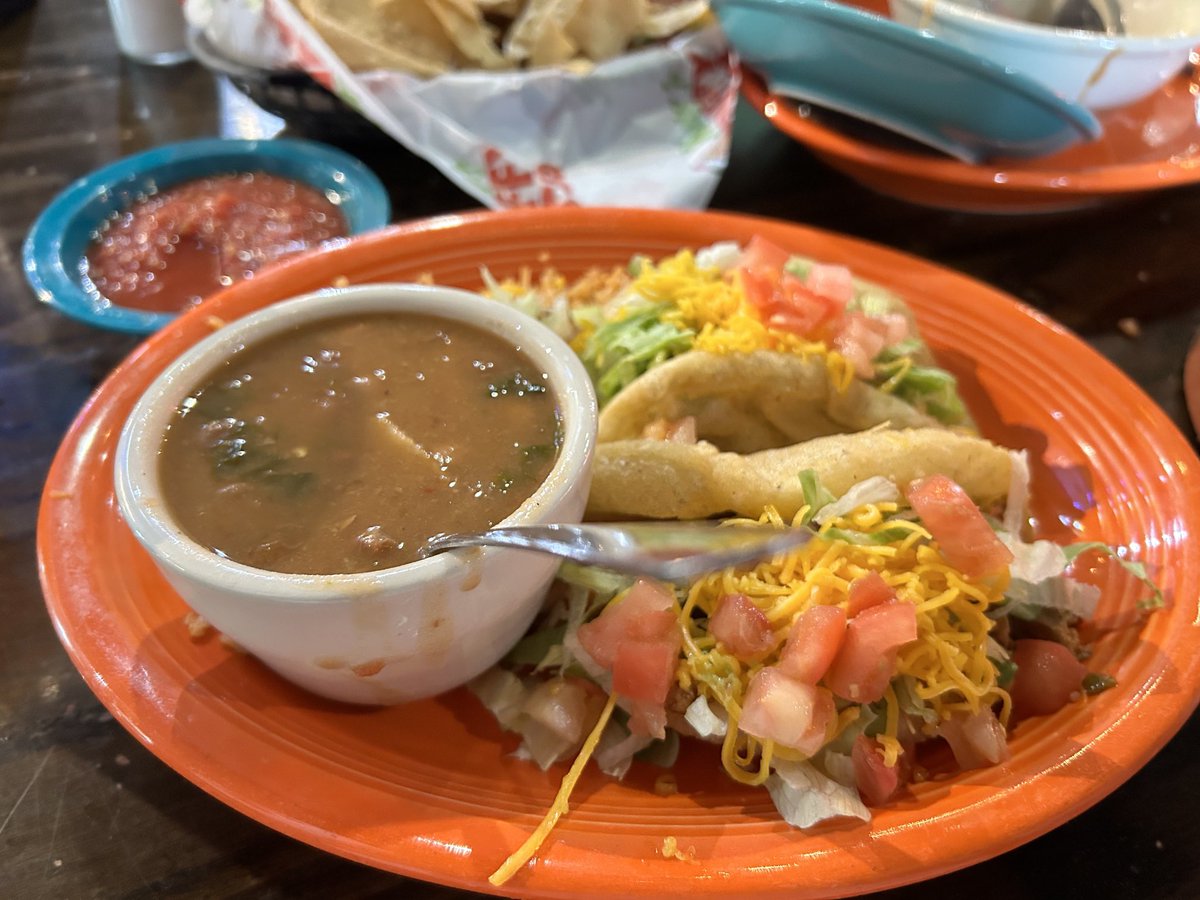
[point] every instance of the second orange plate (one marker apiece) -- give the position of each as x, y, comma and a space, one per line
430, 790
1147, 146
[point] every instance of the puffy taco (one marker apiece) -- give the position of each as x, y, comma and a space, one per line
919, 615
746, 348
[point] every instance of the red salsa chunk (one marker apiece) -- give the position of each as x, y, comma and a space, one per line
173, 248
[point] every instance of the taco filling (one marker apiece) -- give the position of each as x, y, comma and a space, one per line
914, 619
760, 348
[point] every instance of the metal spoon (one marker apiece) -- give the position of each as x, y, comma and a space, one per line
669, 551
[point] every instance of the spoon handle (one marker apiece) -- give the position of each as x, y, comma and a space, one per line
668, 551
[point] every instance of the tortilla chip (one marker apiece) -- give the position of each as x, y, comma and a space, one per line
663, 480
666, 17
383, 34
463, 23
539, 34
602, 29
745, 402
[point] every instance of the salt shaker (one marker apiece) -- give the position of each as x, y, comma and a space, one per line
150, 31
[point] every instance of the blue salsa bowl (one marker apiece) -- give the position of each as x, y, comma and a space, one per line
59, 239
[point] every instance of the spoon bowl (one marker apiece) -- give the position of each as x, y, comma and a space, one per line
1104, 16
909, 81
1141, 45
669, 551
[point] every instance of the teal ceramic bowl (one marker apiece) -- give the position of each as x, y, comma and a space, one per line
56, 245
909, 81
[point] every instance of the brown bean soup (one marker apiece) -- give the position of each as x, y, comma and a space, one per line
341, 445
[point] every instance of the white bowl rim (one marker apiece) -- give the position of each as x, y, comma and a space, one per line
1032, 32
140, 501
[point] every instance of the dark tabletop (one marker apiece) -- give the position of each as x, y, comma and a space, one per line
86, 811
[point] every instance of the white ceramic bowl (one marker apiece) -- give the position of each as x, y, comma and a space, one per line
1093, 69
375, 637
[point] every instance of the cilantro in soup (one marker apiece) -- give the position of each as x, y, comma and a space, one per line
341, 445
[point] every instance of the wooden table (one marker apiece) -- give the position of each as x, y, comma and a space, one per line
86, 811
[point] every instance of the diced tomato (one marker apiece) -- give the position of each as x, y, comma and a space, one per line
637, 638
867, 591
977, 740
645, 613
866, 661
760, 254
647, 719
643, 670
966, 539
743, 628
759, 287
860, 339
877, 782
896, 328
813, 643
782, 300
784, 303
789, 712
834, 282
1048, 674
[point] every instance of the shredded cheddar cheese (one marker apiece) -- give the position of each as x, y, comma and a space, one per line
714, 306
560, 805
946, 667
706, 301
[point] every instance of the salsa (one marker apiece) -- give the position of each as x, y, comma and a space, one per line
342, 445
170, 250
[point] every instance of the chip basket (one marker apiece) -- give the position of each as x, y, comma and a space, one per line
291, 94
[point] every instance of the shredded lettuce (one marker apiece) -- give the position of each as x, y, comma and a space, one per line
605, 583
705, 722
933, 390
1016, 508
503, 694
555, 313
541, 649
816, 496
878, 303
838, 766
614, 754
1039, 582
618, 352
662, 753
799, 267
876, 489
868, 719
863, 538
721, 256
912, 705
805, 796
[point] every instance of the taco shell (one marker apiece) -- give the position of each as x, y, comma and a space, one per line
746, 402
643, 478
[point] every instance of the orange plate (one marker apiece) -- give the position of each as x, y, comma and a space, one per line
1146, 146
430, 790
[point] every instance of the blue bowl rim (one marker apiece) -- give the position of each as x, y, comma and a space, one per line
46, 270
928, 44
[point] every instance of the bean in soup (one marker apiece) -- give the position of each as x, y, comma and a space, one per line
341, 445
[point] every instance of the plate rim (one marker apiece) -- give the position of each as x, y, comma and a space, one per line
552, 221
1098, 181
